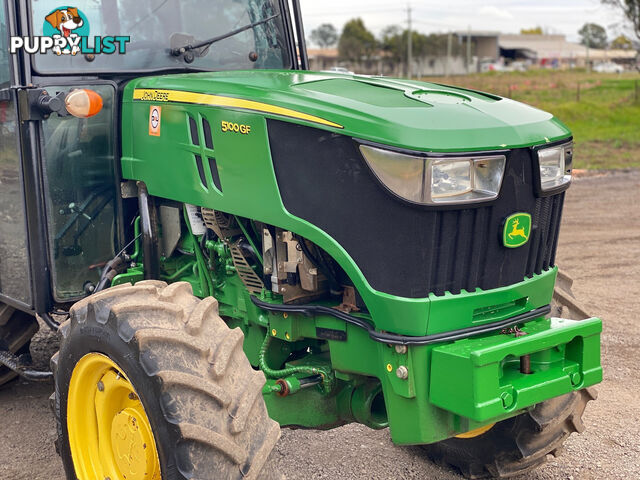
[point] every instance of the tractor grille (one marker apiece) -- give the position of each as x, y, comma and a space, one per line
404, 249
206, 151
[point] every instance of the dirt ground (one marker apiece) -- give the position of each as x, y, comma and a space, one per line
599, 246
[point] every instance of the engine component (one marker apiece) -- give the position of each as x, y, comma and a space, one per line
293, 273
223, 226
170, 221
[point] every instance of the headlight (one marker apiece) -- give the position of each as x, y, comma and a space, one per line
436, 181
555, 166
402, 174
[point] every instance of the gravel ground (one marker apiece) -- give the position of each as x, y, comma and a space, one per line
599, 246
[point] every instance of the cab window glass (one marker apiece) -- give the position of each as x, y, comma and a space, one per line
4, 50
14, 261
81, 195
154, 25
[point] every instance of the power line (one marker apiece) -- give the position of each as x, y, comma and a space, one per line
360, 11
437, 24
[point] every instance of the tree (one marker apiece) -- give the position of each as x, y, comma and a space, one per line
394, 42
531, 31
593, 35
325, 35
630, 9
622, 42
356, 42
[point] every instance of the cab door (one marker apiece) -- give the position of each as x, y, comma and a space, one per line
15, 277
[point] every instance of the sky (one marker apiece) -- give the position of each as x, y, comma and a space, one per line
430, 16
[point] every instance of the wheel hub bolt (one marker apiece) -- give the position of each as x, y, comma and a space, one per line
132, 396
100, 386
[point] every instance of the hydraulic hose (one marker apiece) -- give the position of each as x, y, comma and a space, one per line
49, 321
286, 372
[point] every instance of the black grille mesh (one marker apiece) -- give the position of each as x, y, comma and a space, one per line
458, 264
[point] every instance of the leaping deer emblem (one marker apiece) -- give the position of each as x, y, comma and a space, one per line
515, 231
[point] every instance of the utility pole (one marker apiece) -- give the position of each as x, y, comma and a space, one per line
469, 50
449, 46
588, 45
409, 43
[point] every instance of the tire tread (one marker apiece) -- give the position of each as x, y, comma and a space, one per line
207, 388
517, 445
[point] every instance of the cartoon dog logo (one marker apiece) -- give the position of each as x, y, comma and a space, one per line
65, 20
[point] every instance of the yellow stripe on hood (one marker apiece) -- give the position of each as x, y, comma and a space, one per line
153, 95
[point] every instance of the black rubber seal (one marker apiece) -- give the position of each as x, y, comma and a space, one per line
394, 339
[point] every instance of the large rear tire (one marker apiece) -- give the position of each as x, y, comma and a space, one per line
520, 444
16, 330
174, 374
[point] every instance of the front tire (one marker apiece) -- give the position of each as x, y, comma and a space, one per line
516, 445
177, 371
564, 303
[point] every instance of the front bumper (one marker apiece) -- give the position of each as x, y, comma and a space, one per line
480, 379
469, 383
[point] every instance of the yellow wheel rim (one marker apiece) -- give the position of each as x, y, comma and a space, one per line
109, 432
476, 432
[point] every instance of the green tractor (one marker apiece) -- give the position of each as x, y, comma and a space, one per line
229, 243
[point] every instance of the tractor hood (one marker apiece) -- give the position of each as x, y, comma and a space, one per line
402, 113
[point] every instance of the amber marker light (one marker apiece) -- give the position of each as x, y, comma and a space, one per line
83, 103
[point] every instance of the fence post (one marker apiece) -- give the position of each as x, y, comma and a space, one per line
578, 93
637, 95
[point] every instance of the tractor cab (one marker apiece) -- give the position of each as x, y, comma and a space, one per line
71, 208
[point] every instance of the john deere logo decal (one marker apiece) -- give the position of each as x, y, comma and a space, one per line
517, 229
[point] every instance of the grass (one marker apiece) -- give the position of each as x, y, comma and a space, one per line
604, 115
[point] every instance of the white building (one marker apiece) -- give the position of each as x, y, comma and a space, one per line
556, 51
